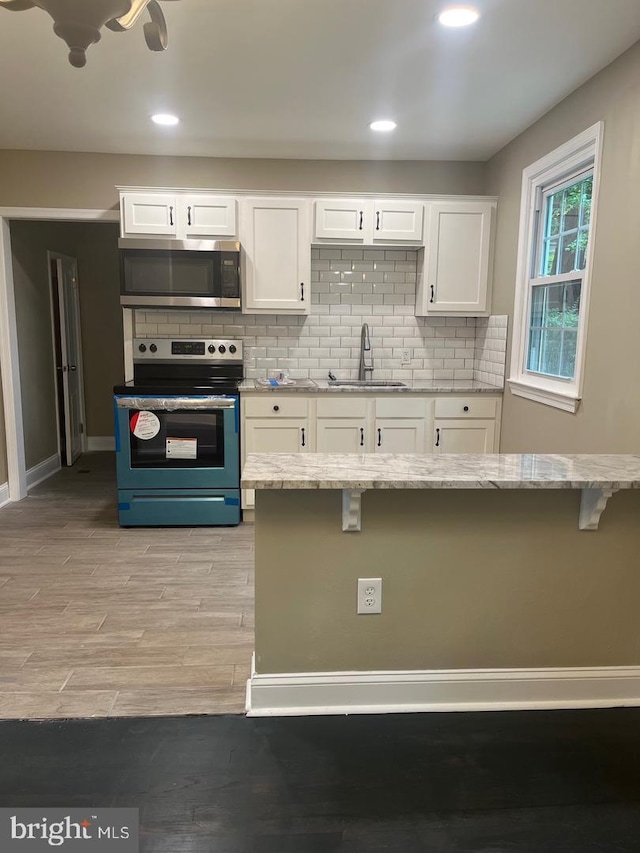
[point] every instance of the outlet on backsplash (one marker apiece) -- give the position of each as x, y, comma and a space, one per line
406, 356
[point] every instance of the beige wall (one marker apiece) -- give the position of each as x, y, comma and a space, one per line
609, 416
95, 247
59, 179
471, 579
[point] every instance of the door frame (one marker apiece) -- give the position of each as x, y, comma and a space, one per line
58, 256
9, 358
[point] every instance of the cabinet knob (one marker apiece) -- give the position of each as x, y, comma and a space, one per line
431, 300
276, 408
170, 215
465, 408
361, 219
303, 441
377, 220
379, 438
302, 291
437, 438
189, 215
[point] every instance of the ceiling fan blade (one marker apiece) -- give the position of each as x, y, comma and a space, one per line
17, 5
126, 21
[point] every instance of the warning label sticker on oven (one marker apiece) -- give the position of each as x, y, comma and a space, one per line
145, 425
182, 448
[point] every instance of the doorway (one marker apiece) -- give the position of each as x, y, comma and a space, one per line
67, 346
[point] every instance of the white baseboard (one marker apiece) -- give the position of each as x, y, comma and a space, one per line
298, 694
100, 442
43, 470
4, 494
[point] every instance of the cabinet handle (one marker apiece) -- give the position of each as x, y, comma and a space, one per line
361, 437
379, 438
189, 215
431, 300
302, 429
465, 408
361, 220
302, 291
437, 438
276, 408
377, 220
170, 215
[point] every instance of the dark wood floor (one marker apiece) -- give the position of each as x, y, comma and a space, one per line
514, 782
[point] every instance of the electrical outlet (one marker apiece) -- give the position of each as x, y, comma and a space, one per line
369, 595
406, 356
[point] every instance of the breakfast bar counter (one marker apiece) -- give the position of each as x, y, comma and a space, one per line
525, 567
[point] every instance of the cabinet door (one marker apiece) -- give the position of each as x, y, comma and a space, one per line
149, 213
457, 257
276, 261
276, 435
343, 219
398, 221
463, 436
207, 216
341, 435
399, 435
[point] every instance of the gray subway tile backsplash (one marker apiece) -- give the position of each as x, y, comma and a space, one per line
352, 286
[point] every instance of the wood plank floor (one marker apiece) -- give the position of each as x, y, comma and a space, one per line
96, 620
511, 782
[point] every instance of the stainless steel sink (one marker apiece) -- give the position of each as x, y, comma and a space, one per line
367, 383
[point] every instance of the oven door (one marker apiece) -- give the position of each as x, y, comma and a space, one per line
177, 442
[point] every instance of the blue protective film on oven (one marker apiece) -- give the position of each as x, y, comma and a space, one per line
232, 501
237, 413
116, 426
123, 506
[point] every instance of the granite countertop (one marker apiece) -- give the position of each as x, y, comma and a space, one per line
453, 471
425, 386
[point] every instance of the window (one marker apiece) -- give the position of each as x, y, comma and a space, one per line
554, 258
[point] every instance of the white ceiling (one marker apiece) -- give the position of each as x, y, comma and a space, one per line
303, 78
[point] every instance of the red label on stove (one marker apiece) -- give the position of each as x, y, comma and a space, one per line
144, 425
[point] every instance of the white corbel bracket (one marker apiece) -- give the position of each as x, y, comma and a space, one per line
592, 505
352, 510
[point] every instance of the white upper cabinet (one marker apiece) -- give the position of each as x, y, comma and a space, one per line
275, 238
399, 221
180, 215
369, 221
148, 214
458, 253
207, 215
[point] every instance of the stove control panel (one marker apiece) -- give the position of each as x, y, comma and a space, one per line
167, 349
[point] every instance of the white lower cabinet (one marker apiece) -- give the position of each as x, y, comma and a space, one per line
459, 436
288, 422
399, 435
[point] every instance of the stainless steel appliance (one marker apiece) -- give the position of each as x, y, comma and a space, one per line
179, 274
177, 434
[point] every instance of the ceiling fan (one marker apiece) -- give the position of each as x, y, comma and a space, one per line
78, 22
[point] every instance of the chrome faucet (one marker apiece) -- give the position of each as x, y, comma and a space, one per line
366, 358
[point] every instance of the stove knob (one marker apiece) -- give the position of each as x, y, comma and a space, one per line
153, 348
142, 348
232, 348
222, 348
211, 348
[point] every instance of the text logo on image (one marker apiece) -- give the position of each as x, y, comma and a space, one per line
35, 830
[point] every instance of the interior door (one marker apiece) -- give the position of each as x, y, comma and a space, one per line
71, 357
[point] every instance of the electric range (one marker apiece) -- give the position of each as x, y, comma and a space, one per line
177, 434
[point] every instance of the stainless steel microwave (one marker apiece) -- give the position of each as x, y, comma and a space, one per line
179, 274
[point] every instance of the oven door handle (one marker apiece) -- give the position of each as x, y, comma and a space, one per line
169, 404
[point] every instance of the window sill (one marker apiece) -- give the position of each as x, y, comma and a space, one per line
566, 401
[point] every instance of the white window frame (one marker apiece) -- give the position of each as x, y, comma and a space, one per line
582, 152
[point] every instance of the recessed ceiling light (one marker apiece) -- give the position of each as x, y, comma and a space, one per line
458, 16
383, 125
165, 118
